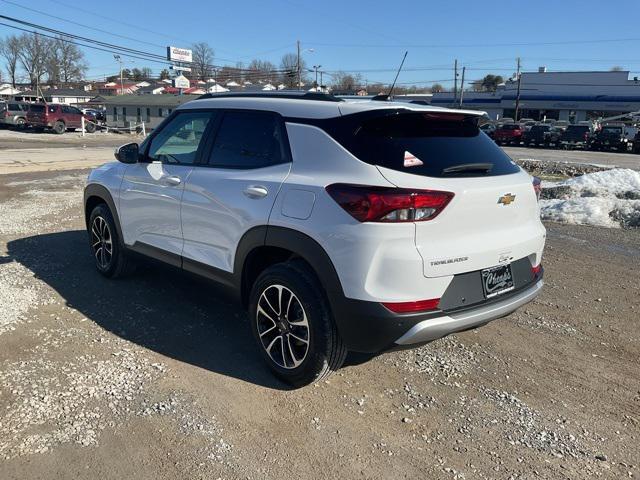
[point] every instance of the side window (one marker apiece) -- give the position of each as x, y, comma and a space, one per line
66, 109
248, 140
75, 110
178, 141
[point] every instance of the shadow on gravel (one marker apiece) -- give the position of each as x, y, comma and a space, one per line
157, 308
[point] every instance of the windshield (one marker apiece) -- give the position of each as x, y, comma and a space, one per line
611, 130
577, 129
539, 128
511, 127
421, 143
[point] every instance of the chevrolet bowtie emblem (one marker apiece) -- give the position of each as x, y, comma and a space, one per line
506, 199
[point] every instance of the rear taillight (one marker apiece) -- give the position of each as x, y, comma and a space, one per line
537, 186
383, 204
537, 271
413, 307
5, 114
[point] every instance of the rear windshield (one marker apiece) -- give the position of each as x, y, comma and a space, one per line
577, 128
540, 128
422, 143
510, 127
36, 108
611, 130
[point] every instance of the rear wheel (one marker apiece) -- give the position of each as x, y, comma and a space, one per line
21, 123
89, 127
292, 324
59, 127
110, 257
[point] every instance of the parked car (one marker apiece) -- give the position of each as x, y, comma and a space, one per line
58, 118
636, 143
489, 129
575, 136
553, 136
610, 137
98, 115
13, 114
536, 136
319, 216
509, 134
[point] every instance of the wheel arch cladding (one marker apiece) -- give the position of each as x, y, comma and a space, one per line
287, 243
94, 195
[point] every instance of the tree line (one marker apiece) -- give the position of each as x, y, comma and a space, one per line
42, 59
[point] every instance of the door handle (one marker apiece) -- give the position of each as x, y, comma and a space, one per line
256, 191
172, 180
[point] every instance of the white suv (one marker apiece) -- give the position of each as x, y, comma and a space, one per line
341, 225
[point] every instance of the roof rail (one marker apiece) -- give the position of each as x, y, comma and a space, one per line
290, 94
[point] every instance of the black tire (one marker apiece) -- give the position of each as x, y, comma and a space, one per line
325, 351
59, 127
21, 123
90, 127
118, 264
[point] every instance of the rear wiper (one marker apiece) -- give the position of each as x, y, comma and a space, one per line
469, 168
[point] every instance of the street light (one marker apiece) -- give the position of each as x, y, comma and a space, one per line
310, 50
119, 60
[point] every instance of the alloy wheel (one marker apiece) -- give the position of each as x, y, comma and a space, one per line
283, 326
101, 242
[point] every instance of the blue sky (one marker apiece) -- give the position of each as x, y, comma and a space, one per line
369, 37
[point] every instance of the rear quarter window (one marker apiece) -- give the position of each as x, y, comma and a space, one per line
424, 143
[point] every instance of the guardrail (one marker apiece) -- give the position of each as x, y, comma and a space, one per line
107, 128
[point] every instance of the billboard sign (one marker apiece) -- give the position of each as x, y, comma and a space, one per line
176, 54
181, 82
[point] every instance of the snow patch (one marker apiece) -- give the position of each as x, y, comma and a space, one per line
606, 199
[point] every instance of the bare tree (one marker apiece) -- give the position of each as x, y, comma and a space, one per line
164, 74
202, 60
10, 50
289, 65
65, 61
147, 73
346, 81
437, 88
616, 68
261, 70
34, 54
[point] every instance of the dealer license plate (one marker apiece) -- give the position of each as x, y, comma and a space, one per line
497, 280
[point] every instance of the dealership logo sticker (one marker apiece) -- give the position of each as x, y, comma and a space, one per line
410, 160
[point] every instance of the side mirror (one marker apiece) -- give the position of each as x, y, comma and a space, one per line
127, 153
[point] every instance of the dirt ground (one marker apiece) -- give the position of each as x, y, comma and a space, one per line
156, 376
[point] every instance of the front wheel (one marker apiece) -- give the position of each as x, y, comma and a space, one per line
292, 324
110, 258
90, 127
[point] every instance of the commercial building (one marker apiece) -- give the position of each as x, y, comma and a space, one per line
129, 110
70, 96
571, 96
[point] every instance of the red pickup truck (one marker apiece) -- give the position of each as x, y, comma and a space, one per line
58, 117
510, 134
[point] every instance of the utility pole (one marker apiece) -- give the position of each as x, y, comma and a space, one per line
321, 84
298, 68
462, 86
455, 81
316, 67
518, 91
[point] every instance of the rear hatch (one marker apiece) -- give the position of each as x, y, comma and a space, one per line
37, 113
575, 133
493, 217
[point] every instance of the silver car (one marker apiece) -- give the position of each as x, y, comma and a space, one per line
14, 114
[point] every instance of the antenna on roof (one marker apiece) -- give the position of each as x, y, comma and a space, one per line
393, 85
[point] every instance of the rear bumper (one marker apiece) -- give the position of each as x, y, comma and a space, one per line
434, 328
369, 327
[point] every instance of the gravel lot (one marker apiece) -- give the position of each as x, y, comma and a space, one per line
156, 376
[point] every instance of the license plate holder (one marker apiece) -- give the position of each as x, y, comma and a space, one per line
497, 280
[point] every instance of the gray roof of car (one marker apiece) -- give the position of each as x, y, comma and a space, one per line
304, 108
